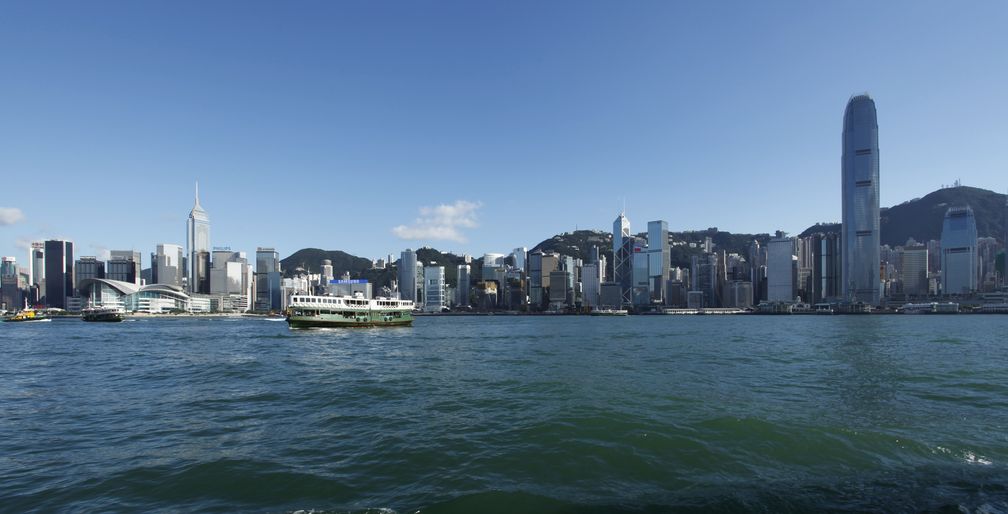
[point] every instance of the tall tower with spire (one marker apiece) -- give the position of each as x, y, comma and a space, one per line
623, 248
197, 241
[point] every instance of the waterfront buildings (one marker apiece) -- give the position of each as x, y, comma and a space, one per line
407, 275
197, 242
59, 272
860, 202
959, 251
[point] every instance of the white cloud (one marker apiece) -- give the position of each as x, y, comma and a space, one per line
442, 222
10, 215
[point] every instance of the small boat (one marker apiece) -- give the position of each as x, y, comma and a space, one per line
28, 316
106, 314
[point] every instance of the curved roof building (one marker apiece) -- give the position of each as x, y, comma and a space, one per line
148, 298
860, 202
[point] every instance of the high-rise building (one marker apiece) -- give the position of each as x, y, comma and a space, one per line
10, 293
959, 251
658, 259
59, 272
327, 271
462, 288
227, 272
86, 268
124, 266
860, 201
407, 275
519, 255
167, 265
36, 265
825, 280
782, 268
591, 284
197, 240
267, 280
623, 248
434, 289
914, 269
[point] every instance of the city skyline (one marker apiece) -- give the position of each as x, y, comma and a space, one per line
384, 118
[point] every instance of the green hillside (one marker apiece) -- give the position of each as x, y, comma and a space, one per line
921, 218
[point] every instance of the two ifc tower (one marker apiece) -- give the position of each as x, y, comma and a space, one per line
859, 235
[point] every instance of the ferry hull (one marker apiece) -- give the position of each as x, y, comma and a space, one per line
301, 322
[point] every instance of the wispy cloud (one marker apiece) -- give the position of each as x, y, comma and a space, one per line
10, 215
443, 222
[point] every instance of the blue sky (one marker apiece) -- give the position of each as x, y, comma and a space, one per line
345, 125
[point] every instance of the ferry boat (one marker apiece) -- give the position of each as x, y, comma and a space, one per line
106, 314
929, 308
28, 316
609, 312
307, 311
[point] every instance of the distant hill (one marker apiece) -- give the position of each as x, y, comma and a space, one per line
578, 243
921, 218
310, 259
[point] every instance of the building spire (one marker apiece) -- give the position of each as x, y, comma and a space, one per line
197, 193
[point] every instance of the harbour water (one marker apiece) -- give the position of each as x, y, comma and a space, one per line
508, 414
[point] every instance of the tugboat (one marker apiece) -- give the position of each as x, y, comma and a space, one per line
307, 311
28, 316
106, 314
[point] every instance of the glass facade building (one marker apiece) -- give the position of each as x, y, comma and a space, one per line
407, 275
959, 251
59, 272
860, 202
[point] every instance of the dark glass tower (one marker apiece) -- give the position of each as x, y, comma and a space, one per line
59, 272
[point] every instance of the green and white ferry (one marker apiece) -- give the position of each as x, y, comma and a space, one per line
306, 311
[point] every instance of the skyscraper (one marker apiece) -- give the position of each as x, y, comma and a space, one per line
782, 268
267, 280
658, 258
407, 275
36, 265
123, 265
434, 288
860, 201
959, 251
462, 289
167, 265
623, 247
10, 294
59, 272
197, 240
